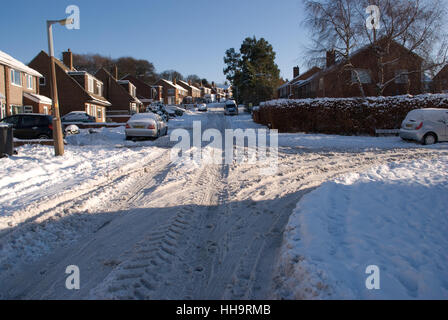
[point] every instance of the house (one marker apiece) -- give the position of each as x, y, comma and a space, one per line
289, 90
77, 90
440, 81
122, 95
205, 91
193, 91
19, 88
336, 81
172, 92
227, 90
145, 92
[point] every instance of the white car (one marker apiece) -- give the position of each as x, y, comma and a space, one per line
145, 125
202, 107
427, 126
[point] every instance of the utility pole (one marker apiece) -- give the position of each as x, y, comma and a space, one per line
57, 126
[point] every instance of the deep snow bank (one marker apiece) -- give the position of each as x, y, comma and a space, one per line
393, 216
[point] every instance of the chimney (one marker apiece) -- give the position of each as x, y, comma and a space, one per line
67, 58
331, 58
174, 81
213, 84
296, 72
116, 72
189, 82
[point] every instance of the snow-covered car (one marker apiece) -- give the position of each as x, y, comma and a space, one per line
146, 125
202, 107
78, 116
427, 126
231, 108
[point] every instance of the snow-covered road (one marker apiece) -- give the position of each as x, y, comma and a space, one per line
168, 230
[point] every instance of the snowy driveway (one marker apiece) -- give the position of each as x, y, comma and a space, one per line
168, 230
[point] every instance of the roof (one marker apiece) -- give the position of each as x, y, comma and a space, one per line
9, 61
174, 85
37, 98
189, 85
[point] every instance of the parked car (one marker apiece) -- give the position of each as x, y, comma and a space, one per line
148, 125
427, 126
31, 126
78, 116
231, 108
202, 107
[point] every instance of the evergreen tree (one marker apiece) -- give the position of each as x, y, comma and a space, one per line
252, 71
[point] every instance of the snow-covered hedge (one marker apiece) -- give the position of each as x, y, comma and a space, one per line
343, 115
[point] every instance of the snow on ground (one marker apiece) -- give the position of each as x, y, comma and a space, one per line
393, 216
35, 175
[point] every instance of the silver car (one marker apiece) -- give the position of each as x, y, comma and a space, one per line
146, 125
427, 126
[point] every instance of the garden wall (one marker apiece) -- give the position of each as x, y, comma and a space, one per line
349, 116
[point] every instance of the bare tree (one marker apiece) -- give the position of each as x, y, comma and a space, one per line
334, 24
416, 25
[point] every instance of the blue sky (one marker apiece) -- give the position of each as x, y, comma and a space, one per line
188, 36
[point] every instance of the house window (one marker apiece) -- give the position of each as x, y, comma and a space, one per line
29, 82
2, 110
171, 92
99, 89
321, 83
46, 110
42, 81
99, 114
363, 74
90, 85
27, 109
401, 76
16, 77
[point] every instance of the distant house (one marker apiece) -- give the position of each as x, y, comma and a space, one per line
77, 90
19, 88
122, 95
172, 92
193, 91
440, 81
205, 91
290, 90
336, 81
227, 91
145, 92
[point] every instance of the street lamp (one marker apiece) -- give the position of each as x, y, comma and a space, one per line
57, 126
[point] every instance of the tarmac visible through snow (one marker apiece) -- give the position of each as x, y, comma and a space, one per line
179, 231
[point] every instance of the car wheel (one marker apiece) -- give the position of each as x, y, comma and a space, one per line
128, 138
43, 137
429, 139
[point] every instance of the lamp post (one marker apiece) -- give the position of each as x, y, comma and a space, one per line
57, 126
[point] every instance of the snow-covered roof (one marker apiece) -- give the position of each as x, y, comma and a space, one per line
100, 101
9, 61
174, 85
37, 98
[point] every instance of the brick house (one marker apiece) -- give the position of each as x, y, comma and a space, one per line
122, 95
440, 81
172, 92
288, 90
77, 90
227, 91
145, 92
193, 91
336, 82
19, 88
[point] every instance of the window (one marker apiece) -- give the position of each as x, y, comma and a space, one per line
2, 110
42, 81
46, 110
99, 89
29, 82
30, 121
363, 74
27, 109
171, 92
321, 83
16, 77
99, 114
401, 77
12, 120
90, 85
88, 109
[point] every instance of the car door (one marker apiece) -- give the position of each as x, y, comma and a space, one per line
30, 127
